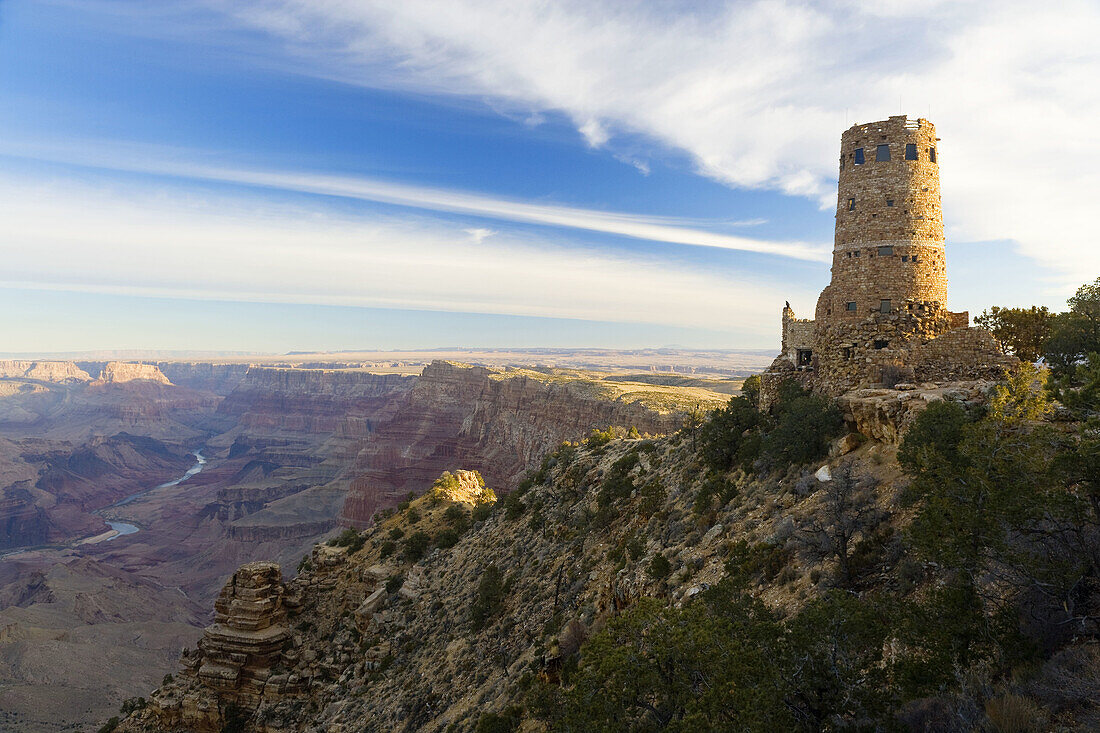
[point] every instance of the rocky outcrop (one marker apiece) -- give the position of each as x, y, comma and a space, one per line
497, 422
462, 487
237, 653
885, 414
43, 371
117, 372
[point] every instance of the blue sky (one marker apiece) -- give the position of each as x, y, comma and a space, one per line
283, 175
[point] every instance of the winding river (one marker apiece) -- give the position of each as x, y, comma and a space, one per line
119, 529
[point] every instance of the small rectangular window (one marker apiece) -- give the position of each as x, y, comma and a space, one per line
932, 154
914, 258
859, 156
846, 353
887, 251
910, 151
882, 153
842, 162
884, 306
851, 204
850, 305
905, 258
889, 202
857, 253
881, 344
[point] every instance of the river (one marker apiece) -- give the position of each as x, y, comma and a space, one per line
119, 529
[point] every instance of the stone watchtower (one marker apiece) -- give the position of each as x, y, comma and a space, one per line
887, 299
889, 246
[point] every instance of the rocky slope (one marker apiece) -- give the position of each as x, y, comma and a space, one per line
281, 446
379, 640
454, 607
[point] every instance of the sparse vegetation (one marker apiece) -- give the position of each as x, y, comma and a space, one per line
350, 539
490, 595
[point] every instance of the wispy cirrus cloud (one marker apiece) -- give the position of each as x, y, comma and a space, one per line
164, 242
669, 230
758, 92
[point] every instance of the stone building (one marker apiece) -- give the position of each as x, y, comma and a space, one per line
883, 318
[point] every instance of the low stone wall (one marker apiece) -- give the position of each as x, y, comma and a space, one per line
967, 353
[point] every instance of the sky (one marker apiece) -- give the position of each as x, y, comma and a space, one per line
277, 175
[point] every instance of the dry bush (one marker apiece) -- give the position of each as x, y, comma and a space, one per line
1015, 714
572, 637
1069, 680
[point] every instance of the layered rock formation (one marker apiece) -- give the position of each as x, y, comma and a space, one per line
220, 379
127, 371
44, 371
495, 421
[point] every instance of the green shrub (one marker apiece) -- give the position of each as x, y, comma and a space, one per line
765, 559
413, 516
110, 725
489, 597
600, 438
506, 721
388, 548
750, 390
397, 533
722, 436
659, 567
394, 583
805, 426
513, 506
416, 545
458, 518
447, 538
350, 539
482, 511
653, 497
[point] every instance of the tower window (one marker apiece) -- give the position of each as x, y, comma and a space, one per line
882, 153
850, 305
887, 251
889, 202
846, 353
851, 204
914, 258
859, 156
881, 344
857, 253
884, 306
905, 258
910, 151
932, 154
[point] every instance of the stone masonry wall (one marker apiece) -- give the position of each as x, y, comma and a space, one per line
889, 242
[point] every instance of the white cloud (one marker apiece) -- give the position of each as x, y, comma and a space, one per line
161, 242
161, 161
758, 92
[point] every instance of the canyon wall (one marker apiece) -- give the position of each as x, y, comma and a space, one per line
482, 419
221, 379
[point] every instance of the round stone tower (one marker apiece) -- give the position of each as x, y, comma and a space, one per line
883, 318
888, 253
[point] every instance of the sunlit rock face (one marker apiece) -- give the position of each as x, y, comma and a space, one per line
488, 420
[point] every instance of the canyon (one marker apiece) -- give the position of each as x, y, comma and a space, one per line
292, 451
